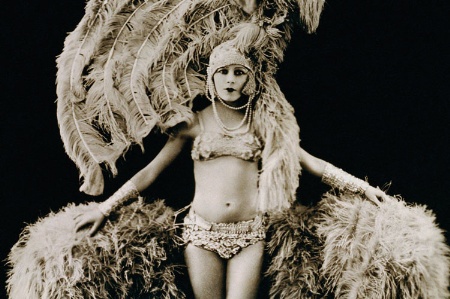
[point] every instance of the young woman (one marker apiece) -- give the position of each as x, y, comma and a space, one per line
133, 66
224, 230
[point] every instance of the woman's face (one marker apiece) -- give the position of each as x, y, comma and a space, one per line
229, 82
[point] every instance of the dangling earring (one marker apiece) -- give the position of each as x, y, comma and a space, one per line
250, 88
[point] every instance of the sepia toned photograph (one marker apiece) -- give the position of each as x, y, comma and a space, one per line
225, 149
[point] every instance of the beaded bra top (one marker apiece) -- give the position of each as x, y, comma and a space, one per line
209, 145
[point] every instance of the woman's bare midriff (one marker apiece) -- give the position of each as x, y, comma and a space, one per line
226, 189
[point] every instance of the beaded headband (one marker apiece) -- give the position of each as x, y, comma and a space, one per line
223, 55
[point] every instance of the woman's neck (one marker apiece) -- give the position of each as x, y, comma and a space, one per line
239, 104
232, 120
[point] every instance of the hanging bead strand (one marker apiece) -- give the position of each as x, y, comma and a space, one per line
247, 118
232, 107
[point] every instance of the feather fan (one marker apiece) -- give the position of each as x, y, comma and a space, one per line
144, 62
127, 258
294, 254
394, 250
80, 47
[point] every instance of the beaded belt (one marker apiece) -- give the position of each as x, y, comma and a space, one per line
198, 223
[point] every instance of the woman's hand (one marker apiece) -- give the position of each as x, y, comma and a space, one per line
93, 217
375, 194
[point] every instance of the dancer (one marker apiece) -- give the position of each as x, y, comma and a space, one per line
133, 66
225, 228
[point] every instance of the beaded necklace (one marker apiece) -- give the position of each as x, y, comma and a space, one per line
232, 107
247, 116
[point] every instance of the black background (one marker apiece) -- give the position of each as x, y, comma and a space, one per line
370, 89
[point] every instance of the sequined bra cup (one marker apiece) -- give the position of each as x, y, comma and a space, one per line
209, 145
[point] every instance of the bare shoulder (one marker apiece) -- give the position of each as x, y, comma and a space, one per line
188, 130
204, 116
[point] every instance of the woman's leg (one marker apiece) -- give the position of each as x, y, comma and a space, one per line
244, 272
206, 272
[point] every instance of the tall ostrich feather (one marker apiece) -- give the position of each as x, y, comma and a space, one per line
80, 47
87, 147
146, 49
105, 103
310, 11
83, 145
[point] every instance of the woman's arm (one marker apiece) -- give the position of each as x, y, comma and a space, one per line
145, 177
337, 178
131, 188
312, 164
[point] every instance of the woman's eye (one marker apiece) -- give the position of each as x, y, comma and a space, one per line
239, 73
223, 71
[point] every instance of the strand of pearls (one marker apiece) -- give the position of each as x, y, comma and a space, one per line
247, 118
232, 107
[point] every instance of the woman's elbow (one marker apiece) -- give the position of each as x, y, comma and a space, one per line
312, 164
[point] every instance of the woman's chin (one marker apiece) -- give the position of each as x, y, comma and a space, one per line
230, 98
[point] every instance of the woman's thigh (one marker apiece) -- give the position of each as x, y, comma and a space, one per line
206, 272
244, 272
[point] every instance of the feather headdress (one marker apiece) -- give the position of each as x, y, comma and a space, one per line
132, 66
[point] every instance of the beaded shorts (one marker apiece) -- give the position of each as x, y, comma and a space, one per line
225, 239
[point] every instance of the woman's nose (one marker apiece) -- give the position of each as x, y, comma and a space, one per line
230, 77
